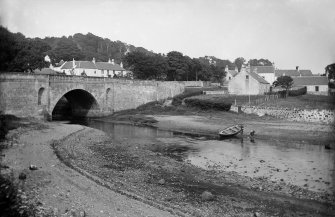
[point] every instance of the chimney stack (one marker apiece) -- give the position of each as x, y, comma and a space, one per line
297, 68
93, 60
73, 63
109, 60
226, 68
121, 64
113, 62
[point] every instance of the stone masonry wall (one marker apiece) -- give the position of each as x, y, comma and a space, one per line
19, 92
319, 116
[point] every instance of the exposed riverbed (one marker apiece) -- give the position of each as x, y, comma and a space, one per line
298, 163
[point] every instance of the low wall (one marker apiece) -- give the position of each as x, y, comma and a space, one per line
318, 116
193, 83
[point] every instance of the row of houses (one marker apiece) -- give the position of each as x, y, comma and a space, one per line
259, 79
87, 68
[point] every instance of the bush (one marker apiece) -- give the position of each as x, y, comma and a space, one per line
177, 100
208, 104
297, 92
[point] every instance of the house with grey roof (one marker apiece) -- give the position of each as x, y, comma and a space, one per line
314, 84
230, 73
266, 72
93, 68
247, 82
293, 72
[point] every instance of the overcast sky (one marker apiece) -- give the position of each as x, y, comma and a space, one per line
289, 32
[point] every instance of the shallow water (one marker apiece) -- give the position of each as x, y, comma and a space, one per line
306, 165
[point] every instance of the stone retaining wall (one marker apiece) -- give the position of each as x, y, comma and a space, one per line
319, 116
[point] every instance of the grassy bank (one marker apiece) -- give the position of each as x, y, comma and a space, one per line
299, 102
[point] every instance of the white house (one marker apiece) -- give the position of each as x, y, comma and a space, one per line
248, 83
230, 73
266, 72
92, 68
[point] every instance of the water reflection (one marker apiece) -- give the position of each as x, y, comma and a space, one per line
305, 165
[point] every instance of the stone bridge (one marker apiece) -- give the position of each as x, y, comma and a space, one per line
54, 95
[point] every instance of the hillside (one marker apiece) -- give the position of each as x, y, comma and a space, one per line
85, 47
22, 54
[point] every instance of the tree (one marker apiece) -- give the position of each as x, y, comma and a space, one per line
145, 66
260, 62
66, 50
239, 62
285, 82
330, 71
178, 66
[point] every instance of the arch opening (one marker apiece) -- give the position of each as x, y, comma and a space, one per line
75, 104
107, 95
40, 95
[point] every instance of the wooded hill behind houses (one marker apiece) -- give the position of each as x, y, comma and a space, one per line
21, 54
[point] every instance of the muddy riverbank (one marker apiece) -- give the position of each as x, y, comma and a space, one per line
113, 176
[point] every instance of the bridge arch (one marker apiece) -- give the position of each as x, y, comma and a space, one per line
75, 103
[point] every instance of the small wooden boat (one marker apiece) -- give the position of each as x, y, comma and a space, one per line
231, 131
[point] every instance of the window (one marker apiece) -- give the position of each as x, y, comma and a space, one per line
316, 88
247, 77
102, 71
95, 72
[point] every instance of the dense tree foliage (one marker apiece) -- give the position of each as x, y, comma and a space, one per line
285, 82
260, 62
239, 62
18, 53
173, 67
145, 66
330, 71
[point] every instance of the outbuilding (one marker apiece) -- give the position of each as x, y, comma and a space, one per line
248, 83
315, 84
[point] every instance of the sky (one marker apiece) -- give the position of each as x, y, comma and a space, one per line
289, 33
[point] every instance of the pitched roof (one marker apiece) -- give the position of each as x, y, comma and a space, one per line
92, 65
67, 65
85, 65
262, 69
292, 72
310, 80
108, 66
232, 72
258, 78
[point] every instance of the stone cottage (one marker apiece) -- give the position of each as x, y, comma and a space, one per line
315, 84
247, 82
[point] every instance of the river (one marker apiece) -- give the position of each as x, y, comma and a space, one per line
305, 165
